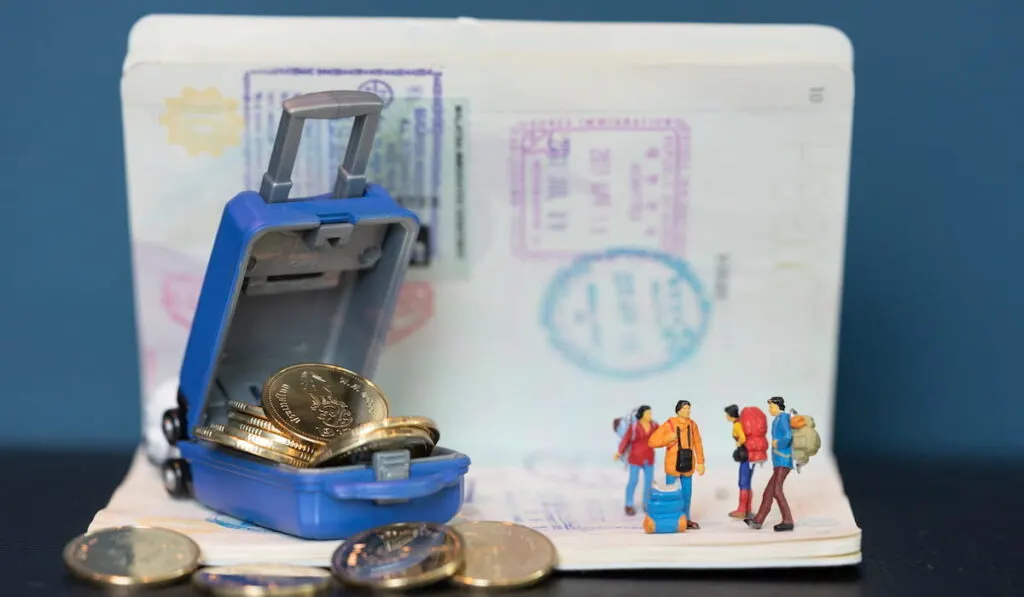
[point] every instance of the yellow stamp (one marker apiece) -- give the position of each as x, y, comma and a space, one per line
202, 121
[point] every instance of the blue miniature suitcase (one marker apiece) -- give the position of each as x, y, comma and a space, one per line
665, 513
303, 280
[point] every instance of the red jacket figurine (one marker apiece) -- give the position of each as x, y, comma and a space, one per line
638, 454
635, 441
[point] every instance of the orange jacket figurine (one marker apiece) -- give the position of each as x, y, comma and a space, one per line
681, 431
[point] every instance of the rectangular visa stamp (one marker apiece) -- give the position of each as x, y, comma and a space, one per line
416, 152
582, 184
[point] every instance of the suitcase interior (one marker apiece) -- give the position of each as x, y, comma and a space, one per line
300, 302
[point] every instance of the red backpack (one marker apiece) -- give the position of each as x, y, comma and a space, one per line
755, 427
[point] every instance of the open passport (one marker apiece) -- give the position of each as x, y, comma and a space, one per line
603, 226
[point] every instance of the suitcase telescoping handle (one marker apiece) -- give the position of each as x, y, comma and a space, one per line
399, 489
323, 105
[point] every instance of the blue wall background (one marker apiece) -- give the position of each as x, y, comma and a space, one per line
931, 317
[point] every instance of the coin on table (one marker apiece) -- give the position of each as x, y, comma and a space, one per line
263, 442
404, 555
223, 439
244, 580
132, 555
249, 409
503, 555
357, 445
316, 402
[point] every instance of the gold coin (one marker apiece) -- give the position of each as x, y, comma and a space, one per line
249, 409
132, 556
404, 555
316, 402
277, 440
390, 422
240, 417
230, 441
259, 440
358, 445
502, 554
245, 580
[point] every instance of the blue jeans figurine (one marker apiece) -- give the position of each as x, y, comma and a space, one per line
746, 473
685, 489
634, 476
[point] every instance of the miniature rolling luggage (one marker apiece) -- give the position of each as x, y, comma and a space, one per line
665, 513
303, 280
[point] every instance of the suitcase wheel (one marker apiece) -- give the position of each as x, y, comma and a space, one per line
177, 479
173, 426
681, 527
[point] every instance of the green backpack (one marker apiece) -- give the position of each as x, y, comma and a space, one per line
806, 441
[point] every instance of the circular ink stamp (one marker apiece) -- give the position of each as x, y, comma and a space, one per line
626, 313
379, 88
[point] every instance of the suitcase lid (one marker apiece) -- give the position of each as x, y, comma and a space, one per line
310, 279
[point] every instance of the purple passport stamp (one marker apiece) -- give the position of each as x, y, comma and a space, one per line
582, 184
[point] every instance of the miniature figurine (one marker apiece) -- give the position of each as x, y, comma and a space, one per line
640, 456
749, 429
782, 463
684, 453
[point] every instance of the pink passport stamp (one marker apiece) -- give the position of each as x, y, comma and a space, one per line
582, 184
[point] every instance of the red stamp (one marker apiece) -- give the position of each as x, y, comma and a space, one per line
414, 309
580, 185
179, 296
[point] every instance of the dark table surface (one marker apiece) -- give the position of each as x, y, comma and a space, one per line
930, 528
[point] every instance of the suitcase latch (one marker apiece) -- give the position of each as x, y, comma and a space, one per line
391, 465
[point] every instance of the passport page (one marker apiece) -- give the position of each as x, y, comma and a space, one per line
579, 510
601, 228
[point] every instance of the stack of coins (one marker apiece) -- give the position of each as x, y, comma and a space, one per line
498, 555
318, 415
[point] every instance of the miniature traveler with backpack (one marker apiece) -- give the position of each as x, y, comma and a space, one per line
794, 441
749, 429
635, 429
684, 454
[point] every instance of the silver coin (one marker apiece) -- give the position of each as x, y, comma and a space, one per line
399, 556
246, 580
131, 556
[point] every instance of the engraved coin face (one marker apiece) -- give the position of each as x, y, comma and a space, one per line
398, 556
127, 556
316, 402
502, 554
262, 579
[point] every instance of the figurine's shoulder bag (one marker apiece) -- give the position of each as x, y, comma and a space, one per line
684, 456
